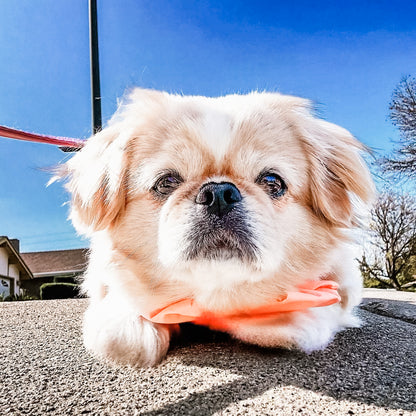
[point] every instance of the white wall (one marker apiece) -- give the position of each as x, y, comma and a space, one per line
10, 271
14, 273
4, 262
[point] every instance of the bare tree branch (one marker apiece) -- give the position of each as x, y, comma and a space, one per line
393, 241
403, 115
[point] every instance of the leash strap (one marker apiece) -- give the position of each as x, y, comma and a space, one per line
66, 143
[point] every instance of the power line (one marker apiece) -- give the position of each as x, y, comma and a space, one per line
36, 236
48, 241
49, 247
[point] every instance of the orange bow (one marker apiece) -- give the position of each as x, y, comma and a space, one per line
310, 294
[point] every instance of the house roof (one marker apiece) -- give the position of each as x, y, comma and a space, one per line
44, 263
16, 258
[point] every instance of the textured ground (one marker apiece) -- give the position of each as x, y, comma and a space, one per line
366, 371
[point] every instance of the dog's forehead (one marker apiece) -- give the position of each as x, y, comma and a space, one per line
215, 131
227, 124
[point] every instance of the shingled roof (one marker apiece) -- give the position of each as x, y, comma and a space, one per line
43, 263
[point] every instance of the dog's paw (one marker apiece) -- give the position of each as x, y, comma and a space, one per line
307, 331
124, 338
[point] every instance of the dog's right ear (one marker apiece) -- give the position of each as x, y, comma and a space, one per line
97, 181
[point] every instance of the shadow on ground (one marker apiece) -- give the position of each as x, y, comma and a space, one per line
374, 365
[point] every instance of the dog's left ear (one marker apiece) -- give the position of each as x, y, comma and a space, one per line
338, 174
97, 181
97, 176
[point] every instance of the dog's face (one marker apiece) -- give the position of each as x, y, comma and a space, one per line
219, 191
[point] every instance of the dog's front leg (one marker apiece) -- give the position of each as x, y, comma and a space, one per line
119, 334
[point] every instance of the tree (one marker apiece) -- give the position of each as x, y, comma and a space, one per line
390, 257
403, 115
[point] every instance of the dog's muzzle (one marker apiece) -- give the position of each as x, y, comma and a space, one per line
220, 228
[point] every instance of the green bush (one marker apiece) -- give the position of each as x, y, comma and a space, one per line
58, 291
374, 284
17, 298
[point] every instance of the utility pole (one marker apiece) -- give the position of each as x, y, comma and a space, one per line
95, 69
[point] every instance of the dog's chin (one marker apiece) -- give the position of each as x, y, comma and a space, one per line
221, 253
224, 249
222, 265
224, 239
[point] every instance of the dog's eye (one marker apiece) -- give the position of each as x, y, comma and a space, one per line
272, 183
167, 183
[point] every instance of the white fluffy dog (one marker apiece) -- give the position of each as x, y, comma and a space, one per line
230, 202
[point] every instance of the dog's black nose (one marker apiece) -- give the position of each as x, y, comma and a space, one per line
219, 198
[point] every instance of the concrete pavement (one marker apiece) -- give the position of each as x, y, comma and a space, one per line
366, 371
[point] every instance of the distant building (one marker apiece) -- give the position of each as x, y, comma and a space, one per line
53, 266
14, 272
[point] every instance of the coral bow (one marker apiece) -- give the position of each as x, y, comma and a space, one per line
310, 294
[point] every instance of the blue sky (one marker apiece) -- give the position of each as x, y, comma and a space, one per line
346, 57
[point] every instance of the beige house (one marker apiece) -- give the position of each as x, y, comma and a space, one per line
53, 266
13, 269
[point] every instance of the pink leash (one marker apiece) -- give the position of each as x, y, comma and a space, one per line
65, 142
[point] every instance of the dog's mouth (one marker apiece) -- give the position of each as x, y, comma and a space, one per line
229, 237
